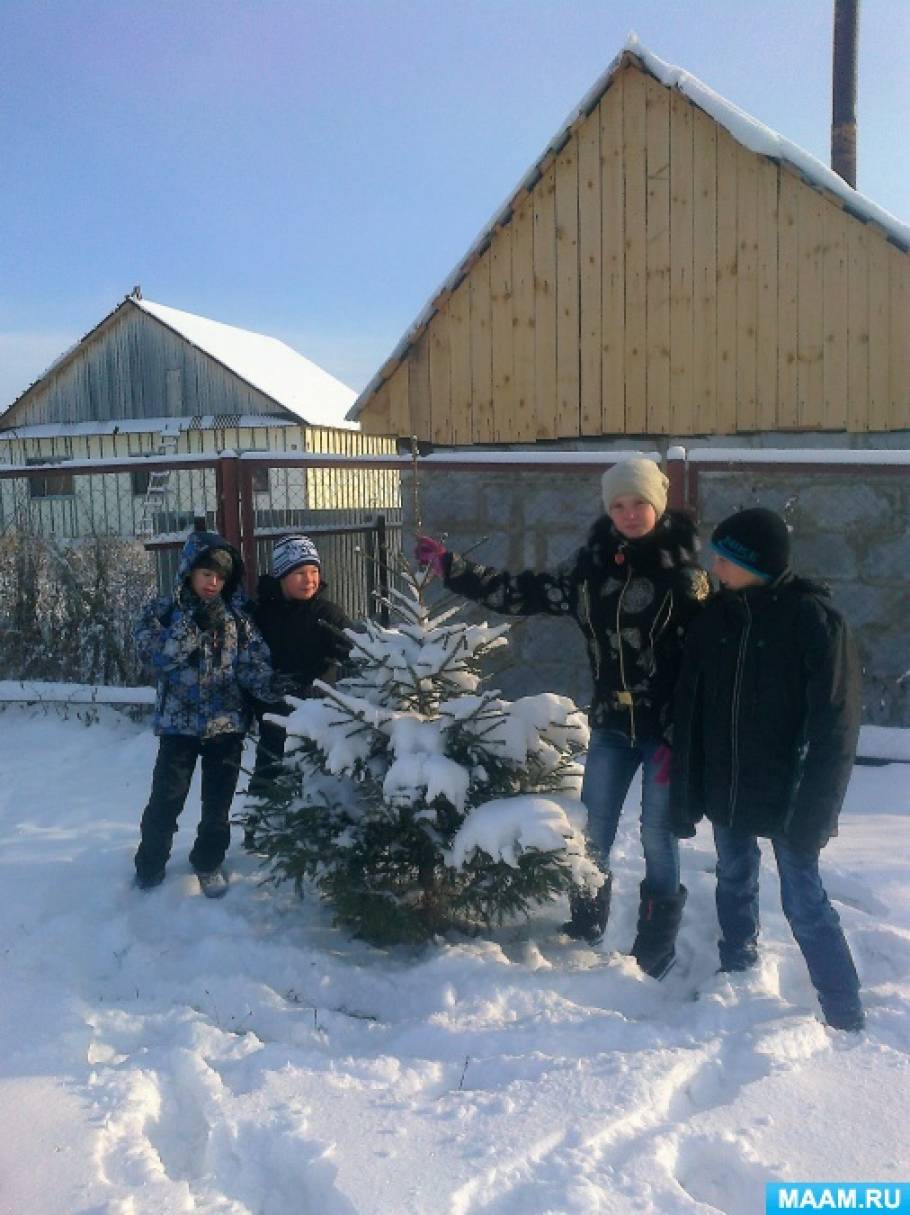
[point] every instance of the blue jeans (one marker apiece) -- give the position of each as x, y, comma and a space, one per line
612, 763
814, 922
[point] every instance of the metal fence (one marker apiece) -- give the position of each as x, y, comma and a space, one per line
351, 505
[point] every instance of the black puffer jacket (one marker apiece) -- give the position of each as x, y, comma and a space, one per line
303, 635
767, 714
633, 600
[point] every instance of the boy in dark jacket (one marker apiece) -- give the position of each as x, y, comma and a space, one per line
303, 630
208, 659
766, 725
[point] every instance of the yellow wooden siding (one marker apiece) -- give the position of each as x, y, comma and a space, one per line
899, 385
613, 244
568, 386
682, 296
834, 273
704, 276
787, 301
858, 319
545, 355
879, 332
657, 124
482, 428
766, 334
659, 278
503, 337
460, 354
399, 404
589, 275
725, 415
635, 164
522, 423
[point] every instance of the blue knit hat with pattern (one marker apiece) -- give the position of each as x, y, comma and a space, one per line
292, 551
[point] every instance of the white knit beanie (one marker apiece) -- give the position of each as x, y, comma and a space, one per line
635, 475
292, 551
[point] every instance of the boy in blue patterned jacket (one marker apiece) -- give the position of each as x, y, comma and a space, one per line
208, 659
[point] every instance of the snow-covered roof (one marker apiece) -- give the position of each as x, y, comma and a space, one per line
747, 130
301, 387
274, 368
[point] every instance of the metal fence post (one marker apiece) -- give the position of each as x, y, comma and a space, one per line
247, 521
382, 552
226, 485
677, 497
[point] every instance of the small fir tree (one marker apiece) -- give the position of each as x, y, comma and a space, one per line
415, 800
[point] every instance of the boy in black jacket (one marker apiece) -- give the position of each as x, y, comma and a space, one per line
766, 725
303, 630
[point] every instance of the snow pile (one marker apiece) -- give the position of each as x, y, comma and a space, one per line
160, 1053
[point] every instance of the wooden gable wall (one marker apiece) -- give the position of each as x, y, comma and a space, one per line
132, 366
659, 278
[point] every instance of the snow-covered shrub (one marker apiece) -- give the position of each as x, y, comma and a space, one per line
67, 608
415, 799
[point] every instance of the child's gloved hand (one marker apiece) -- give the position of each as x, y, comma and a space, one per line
209, 613
661, 760
430, 552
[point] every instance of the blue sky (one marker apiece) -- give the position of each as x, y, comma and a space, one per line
313, 170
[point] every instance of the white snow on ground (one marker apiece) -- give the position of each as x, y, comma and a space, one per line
164, 1053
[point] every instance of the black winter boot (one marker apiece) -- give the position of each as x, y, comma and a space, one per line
589, 915
658, 923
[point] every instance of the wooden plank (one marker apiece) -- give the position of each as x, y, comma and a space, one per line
377, 418
858, 331
657, 119
746, 289
399, 405
727, 269
613, 282
503, 331
787, 301
636, 251
810, 310
522, 427
481, 352
657, 257
590, 272
899, 380
545, 403
419, 387
879, 334
568, 421
704, 273
682, 301
834, 294
460, 365
440, 377
766, 324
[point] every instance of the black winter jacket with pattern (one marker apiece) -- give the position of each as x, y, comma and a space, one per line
767, 715
632, 599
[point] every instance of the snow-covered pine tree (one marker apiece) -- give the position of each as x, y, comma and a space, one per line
417, 801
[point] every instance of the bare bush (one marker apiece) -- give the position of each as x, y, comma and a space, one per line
67, 609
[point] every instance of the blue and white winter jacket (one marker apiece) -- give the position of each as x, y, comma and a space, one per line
204, 677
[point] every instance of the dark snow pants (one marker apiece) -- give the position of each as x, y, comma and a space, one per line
177, 755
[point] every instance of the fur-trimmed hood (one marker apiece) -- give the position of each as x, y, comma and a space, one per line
672, 543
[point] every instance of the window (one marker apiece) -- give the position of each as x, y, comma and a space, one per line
49, 484
260, 480
140, 482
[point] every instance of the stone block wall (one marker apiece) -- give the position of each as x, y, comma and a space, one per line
851, 529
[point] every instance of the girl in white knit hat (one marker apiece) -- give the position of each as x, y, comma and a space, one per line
632, 588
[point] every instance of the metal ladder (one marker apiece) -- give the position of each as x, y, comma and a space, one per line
159, 482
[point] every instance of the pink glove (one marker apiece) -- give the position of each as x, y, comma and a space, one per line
661, 760
430, 552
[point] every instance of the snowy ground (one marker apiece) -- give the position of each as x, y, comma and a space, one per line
165, 1053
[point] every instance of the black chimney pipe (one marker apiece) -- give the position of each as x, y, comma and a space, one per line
843, 91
